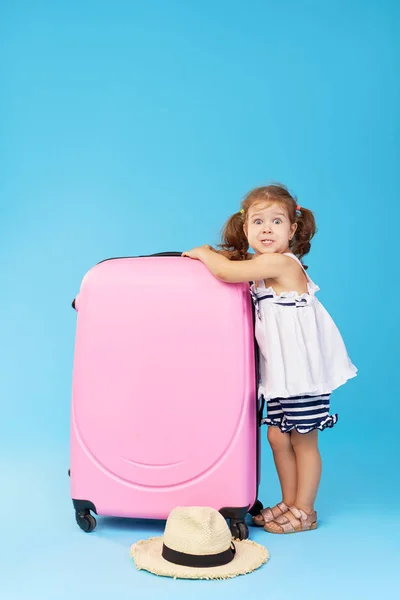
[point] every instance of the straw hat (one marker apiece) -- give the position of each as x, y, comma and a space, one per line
197, 544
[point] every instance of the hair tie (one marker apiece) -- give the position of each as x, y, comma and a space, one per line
241, 211
298, 207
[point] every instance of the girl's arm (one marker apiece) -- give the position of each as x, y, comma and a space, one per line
225, 253
264, 266
229, 254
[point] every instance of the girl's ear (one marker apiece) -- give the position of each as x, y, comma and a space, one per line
292, 230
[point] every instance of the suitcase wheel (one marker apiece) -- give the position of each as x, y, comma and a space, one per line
86, 521
240, 531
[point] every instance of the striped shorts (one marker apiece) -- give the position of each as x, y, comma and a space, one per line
303, 413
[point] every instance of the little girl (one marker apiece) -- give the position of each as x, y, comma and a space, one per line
302, 354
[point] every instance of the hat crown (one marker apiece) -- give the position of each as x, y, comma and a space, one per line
197, 530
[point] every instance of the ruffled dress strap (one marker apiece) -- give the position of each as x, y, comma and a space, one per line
312, 287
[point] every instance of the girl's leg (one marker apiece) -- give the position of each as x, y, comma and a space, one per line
308, 460
309, 467
285, 462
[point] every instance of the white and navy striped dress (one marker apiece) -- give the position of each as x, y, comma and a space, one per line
302, 357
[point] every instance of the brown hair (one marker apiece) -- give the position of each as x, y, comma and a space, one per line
234, 240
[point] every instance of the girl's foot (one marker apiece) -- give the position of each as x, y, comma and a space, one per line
293, 521
269, 514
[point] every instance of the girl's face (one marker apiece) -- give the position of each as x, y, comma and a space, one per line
268, 228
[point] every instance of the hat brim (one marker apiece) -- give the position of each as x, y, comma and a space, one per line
147, 555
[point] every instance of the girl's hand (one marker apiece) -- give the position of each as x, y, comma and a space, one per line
198, 253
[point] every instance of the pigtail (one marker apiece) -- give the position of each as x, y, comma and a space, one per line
306, 229
234, 241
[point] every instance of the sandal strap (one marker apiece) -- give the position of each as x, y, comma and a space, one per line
298, 513
281, 519
267, 513
284, 523
287, 527
306, 520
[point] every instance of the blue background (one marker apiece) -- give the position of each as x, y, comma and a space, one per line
137, 127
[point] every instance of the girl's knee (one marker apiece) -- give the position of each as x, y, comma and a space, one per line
277, 439
304, 440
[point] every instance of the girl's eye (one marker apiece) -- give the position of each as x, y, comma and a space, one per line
257, 221
277, 221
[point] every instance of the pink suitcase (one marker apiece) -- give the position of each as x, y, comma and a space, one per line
164, 405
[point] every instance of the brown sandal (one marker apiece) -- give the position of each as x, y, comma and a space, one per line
266, 515
283, 525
